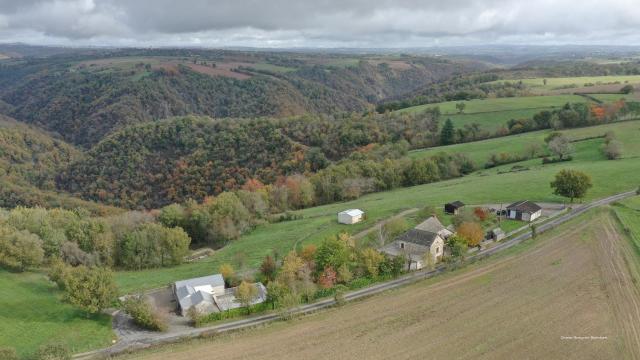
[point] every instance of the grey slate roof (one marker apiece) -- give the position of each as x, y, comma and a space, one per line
524, 206
432, 224
188, 296
419, 237
213, 280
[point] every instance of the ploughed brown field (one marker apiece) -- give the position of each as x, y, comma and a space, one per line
569, 295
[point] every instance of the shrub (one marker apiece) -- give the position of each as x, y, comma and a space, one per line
371, 260
143, 314
339, 295
344, 274
91, 289
546, 160
54, 351
58, 272
612, 150
228, 273
288, 303
200, 319
8, 353
328, 278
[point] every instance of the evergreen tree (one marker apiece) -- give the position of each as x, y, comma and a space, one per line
447, 135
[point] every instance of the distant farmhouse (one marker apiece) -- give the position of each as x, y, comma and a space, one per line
421, 244
351, 216
453, 207
207, 294
524, 210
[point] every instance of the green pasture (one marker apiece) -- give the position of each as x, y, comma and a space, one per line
486, 186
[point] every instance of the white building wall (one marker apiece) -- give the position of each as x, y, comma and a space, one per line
536, 215
344, 218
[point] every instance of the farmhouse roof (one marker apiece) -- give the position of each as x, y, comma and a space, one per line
457, 204
187, 294
418, 237
524, 206
432, 224
213, 280
353, 212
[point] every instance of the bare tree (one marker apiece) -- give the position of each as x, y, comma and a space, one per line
561, 147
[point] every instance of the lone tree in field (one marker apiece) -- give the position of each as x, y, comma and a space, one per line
245, 294
571, 183
447, 134
460, 107
561, 147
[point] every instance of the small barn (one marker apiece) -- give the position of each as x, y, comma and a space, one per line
453, 207
351, 216
524, 210
496, 234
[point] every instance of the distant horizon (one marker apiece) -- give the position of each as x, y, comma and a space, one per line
236, 47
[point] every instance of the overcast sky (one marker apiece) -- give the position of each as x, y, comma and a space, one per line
319, 23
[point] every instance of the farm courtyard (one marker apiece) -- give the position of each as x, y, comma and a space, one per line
571, 294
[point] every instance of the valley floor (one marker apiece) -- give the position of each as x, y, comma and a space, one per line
545, 302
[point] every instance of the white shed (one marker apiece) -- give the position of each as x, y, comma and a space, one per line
350, 216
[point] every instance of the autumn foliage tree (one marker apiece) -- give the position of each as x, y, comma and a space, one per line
268, 268
480, 213
471, 232
328, 278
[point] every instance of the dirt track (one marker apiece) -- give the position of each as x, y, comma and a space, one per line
577, 285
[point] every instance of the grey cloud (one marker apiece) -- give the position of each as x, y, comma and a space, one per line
382, 23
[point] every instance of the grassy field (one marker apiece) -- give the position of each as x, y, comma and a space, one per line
272, 68
500, 104
492, 114
628, 213
616, 97
492, 121
573, 282
487, 186
580, 81
32, 314
480, 151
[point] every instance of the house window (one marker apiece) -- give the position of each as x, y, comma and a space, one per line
438, 250
401, 245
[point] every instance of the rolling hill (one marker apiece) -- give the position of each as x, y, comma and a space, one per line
86, 97
30, 160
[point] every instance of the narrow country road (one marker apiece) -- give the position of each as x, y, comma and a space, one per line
157, 338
